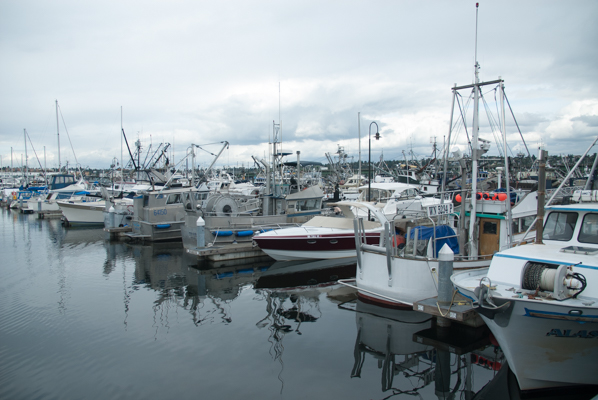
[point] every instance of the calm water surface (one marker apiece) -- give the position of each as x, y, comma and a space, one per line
83, 317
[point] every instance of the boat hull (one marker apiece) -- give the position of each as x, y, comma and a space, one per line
306, 247
543, 348
84, 213
410, 280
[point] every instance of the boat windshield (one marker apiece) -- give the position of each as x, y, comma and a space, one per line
589, 229
560, 226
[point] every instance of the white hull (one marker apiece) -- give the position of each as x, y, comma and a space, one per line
413, 279
289, 255
88, 213
45, 205
541, 302
543, 343
548, 352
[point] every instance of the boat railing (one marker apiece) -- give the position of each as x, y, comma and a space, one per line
564, 191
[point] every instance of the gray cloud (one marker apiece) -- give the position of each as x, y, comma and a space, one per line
196, 72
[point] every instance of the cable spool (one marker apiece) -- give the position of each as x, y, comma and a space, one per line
222, 206
539, 275
558, 279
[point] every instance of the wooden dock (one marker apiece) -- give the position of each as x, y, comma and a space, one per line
228, 251
118, 232
47, 214
460, 311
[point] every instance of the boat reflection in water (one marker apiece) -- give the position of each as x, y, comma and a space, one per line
292, 291
413, 358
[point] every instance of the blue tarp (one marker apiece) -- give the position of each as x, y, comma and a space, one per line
442, 231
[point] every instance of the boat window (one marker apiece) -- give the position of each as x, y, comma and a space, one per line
201, 195
174, 199
305, 205
589, 229
70, 179
560, 226
490, 228
522, 224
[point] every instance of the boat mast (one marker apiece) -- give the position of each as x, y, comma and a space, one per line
26, 171
501, 89
58, 135
475, 153
122, 133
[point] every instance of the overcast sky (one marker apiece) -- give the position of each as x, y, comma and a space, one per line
203, 72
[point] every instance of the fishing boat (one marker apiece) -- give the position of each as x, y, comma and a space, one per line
540, 300
158, 215
398, 276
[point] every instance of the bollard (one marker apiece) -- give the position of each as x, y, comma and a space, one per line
201, 234
112, 217
445, 270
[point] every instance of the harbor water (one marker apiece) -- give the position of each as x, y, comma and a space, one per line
84, 317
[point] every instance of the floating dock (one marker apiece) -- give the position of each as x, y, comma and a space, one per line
118, 232
228, 251
49, 214
460, 310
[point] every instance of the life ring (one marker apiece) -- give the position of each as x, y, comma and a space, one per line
14, 195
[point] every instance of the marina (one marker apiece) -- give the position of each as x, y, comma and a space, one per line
95, 318
206, 257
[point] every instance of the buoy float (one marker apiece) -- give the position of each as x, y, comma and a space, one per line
502, 196
458, 198
222, 233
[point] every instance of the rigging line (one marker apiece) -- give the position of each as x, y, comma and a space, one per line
464, 125
35, 152
145, 163
69, 136
492, 124
129, 149
498, 129
516, 124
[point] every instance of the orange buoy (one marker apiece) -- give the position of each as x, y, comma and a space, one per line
502, 196
458, 198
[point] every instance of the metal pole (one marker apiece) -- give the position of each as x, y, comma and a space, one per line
447, 146
591, 177
501, 89
359, 133
475, 153
369, 163
58, 135
26, 171
541, 195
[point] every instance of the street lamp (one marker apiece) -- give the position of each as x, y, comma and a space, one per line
377, 136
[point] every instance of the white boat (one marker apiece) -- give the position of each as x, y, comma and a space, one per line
541, 300
322, 237
400, 276
395, 197
83, 212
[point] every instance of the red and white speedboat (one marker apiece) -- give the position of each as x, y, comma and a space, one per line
323, 237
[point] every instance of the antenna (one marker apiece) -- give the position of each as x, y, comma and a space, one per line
476, 65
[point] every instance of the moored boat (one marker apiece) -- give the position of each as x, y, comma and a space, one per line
541, 300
